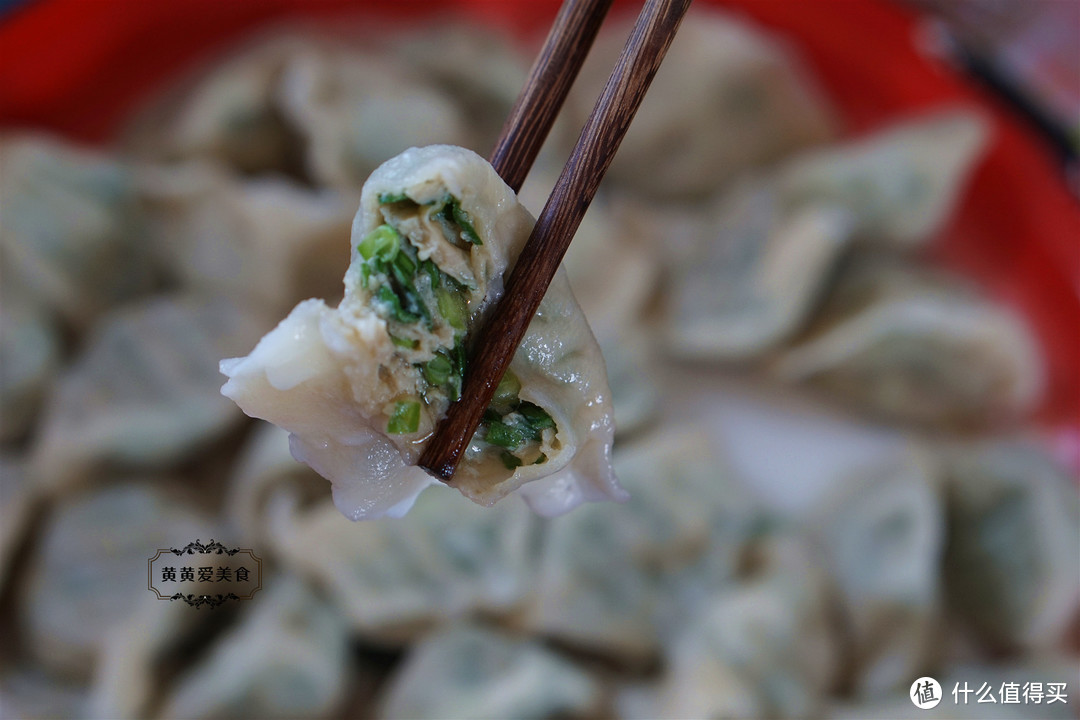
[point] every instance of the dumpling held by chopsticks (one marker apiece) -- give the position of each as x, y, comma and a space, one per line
362, 386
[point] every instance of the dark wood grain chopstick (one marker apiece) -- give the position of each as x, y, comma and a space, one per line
528, 281
546, 88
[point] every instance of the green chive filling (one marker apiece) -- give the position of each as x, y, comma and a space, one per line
405, 418
515, 425
409, 291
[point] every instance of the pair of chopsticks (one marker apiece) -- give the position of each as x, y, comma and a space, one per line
549, 81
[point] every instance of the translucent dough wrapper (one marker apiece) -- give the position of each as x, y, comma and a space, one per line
354, 384
469, 671
751, 270
883, 537
900, 183
727, 98
912, 345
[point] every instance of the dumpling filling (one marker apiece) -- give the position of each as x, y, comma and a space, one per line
363, 386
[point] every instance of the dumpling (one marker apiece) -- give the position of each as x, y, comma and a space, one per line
1012, 558
228, 115
264, 470
900, 183
481, 69
90, 571
397, 578
749, 270
616, 579
288, 658
128, 668
29, 357
468, 671
353, 110
763, 648
361, 387
883, 537
72, 235
144, 391
913, 345
727, 98
268, 240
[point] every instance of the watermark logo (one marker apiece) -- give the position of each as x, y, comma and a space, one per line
926, 693
204, 574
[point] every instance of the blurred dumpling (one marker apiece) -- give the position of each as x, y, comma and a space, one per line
287, 658
267, 240
72, 238
471, 671
361, 387
614, 579
264, 470
479, 68
900, 183
748, 271
397, 578
913, 345
883, 537
355, 110
1012, 558
29, 358
763, 648
128, 667
228, 114
89, 572
144, 391
727, 98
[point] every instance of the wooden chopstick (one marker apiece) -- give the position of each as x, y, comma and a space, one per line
546, 88
539, 260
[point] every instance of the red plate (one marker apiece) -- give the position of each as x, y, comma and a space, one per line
78, 67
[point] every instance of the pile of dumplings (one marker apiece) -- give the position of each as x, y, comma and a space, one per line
741, 243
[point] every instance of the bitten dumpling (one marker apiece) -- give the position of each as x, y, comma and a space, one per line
362, 386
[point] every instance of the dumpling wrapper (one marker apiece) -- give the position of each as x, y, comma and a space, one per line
762, 648
913, 345
883, 536
352, 110
328, 376
468, 671
728, 98
750, 271
900, 183
71, 240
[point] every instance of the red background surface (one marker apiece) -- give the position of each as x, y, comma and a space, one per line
78, 67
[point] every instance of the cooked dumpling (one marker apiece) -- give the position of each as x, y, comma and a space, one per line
71, 238
144, 392
288, 658
1012, 559
727, 98
395, 579
763, 648
361, 387
749, 271
481, 69
614, 579
268, 240
354, 110
913, 345
468, 671
228, 115
90, 571
883, 536
900, 183
29, 356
